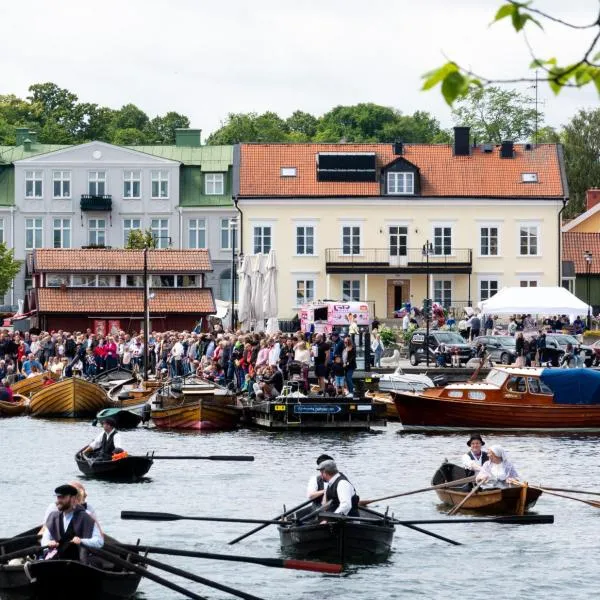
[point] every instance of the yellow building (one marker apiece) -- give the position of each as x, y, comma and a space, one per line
381, 222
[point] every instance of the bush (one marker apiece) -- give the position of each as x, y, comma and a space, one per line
388, 335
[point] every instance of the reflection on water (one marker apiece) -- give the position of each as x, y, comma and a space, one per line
500, 561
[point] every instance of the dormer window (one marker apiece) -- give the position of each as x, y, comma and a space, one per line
400, 183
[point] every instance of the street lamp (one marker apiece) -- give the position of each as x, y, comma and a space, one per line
426, 251
588, 265
233, 236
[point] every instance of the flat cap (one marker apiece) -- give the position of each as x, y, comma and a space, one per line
328, 466
66, 490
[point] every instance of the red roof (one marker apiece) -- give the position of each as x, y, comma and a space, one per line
575, 244
442, 173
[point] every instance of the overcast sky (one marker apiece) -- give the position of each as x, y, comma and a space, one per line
206, 58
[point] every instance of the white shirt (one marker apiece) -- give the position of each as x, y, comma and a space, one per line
96, 541
313, 486
405, 322
177, 350
98, 440
345, 491
470, 464
274, 353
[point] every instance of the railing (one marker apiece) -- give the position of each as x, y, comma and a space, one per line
96, 202
408, 257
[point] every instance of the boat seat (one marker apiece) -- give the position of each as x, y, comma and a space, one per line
124, 396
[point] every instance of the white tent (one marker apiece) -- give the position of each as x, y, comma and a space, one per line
270, 293
534, 301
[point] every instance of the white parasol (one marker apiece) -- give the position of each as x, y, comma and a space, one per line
270, 293
258, 279
245, 303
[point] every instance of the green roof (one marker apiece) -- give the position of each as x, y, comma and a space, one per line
191, 188
9, 154
7, 185
209, 158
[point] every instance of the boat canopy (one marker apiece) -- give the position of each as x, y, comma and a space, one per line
573, 386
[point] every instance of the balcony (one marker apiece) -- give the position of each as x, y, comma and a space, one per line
380, 260
91, 202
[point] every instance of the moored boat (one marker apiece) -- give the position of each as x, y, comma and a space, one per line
30, 385
219, 412
509, 398
399, 381
123, 418
131, 393
19, 406
70, 397
126, 468
497, 501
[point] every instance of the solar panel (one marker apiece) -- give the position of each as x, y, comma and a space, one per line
346, 166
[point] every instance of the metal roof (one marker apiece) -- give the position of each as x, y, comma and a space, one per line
209, 158
8, 154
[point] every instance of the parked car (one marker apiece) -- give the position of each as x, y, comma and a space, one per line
556, 345
501, 348
450, 339
595, 347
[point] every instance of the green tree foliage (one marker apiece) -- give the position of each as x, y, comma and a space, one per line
138, 240
129, 136
161, 130
302, 126
250, 127
130, 117
495, 115
9, 268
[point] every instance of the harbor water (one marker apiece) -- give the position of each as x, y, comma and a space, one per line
495, 561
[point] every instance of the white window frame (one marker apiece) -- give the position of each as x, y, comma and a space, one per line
96, 229
198, 228
2, 232
127, 229
288, 172
490, 225
352, 235
305, 224
443, 225
570, 281
96, 178
304, 280
64, 226
400, 179
34, 177
443, 280
131, 177
225, 225
530, 224
261, 248
487, 278
389, 232
61, 177
355, 282
213, 182
37, 225
529, 280
160, 177
162, 241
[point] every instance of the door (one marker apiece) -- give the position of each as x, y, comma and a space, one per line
398, 297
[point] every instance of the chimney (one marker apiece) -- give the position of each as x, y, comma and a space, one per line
189, 138
461, 141
22, 134
592, 197
33, 137
398, 148
507, 149
27, 145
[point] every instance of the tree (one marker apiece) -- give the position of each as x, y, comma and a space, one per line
9, 268
138, 240
161, 130
302, 126
250, 127
129, 136
495, 115
130, 116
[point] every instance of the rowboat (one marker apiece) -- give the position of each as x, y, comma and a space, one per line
68, 579
536, 399
385, 399
497, 501
131, 393
71, 397
30, 385
20, 406
127, 468
343, 540
124, 419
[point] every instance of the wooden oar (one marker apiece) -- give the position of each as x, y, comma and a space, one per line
553, 489
504, 520
30, 538
427, 489
239, 458
302, 565
20, 553
160, 516
593, 503
459, 505
185, 574
281, 516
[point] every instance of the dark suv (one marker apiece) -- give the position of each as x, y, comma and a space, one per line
556, 346
501, 348
450, 339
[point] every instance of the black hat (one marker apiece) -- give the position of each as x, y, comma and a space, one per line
110, 421
66, 490
323, 458
475, 436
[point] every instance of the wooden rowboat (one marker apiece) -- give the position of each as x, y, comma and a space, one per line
386, 399
131, 393
30, 385
493, 501
128, 468
71, 397
20, 406
205, 414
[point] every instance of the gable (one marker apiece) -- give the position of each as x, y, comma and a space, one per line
400, 165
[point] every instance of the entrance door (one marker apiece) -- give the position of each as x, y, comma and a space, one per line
398, 296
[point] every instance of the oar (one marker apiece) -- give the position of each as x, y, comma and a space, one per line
256, 529
302, 565
459, 505
19, 553
186, 574
116, 560
243, 457
427, 489
553, 489
593, 503
30, 538
505, 520
160, 516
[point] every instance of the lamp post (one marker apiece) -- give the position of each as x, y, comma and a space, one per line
426, 251
588, 265
233, 236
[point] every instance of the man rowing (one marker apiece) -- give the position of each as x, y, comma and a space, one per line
315, 490
107, 443
340, 493
473, 460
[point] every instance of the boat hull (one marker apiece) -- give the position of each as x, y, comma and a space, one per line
73, 397
124, 419
125, 469
14, 409
204, 415
29, 386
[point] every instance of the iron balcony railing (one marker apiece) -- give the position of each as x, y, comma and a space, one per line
403, 257
93, 202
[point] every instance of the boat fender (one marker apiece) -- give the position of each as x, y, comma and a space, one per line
119, 456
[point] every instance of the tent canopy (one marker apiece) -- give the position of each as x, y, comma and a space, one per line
534, 301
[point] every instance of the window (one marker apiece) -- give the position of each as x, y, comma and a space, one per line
34, 187
227, 234
528, 283
488, 241
160, 232
528, 240
225, 286
186, 281
97, 183
56, 280
106, 281
130, 225
288, 172
398, 240
305, 291
61, 234
305, 240
134, 281
262, 239
214, 184
1, 231
61, 184
569, 284
83, 281
97, 232
350, 239
401, 183
442, 240
487, 288
160, 184
34, 233
351, 290
197, 233
132, 184
165, 281
442, 292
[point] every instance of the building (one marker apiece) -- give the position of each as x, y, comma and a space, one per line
103, 289
94, 194
382, 222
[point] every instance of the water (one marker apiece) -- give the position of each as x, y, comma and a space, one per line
497, 561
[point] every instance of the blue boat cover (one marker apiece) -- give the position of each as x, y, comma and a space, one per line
573, 386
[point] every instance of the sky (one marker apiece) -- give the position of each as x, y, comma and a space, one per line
206, 58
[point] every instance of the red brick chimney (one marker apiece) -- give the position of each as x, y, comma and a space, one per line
592, 197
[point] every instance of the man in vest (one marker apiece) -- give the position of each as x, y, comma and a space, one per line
473, 460
340, 493
315, 490
107, 443
70, 527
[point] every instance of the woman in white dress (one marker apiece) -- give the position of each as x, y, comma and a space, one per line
498, 471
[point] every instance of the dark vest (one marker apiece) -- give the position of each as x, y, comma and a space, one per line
317, 502
331, 494
484, 459
81, 525
108, 444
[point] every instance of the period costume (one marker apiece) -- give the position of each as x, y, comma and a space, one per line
494, 475
471, 462
342, 495
105, 444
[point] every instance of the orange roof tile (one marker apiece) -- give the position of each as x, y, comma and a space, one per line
119, 301
120, 261
442, 173
575, 244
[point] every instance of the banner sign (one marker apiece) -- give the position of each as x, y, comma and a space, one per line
316, 409
99, 327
